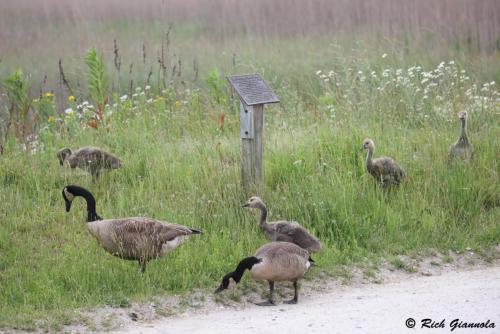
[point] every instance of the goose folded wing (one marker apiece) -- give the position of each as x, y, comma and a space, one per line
150, 228
294, 232
286, 227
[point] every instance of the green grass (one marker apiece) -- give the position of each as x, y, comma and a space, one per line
180, 167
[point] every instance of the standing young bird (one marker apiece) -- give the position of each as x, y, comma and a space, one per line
283, 230
462, 149
273, 262
384, 169
89, 158
136, 238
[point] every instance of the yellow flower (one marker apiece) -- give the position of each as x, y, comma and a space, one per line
48, 94
51, 119
178, 104
71, 98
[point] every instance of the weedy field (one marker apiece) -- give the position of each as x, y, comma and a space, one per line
161, 103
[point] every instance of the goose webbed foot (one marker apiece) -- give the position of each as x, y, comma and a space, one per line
295, 299
142, 264
270, 301
266, 303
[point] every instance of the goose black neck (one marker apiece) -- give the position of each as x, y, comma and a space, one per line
89, 198
246, 263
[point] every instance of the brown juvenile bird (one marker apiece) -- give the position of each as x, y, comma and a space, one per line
282, 230
273, 262
462, 149
384, 169
136, 238
91, 159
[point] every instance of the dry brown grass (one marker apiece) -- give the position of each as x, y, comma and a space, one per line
34, 35
474, 22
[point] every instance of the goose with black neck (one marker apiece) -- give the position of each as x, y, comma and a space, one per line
136, 238
274, 262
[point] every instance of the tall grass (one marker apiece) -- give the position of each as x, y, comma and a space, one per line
180, 167
37, 34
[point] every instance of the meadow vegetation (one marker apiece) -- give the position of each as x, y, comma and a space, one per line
153, 91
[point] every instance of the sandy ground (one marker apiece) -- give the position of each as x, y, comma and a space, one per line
470, 296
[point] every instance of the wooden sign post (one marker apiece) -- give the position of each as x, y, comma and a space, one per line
254, 93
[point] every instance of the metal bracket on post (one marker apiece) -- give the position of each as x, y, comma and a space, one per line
246, 121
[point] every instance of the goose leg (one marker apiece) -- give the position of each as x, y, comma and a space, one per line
95, 176
295, 299
143, 263
269, 302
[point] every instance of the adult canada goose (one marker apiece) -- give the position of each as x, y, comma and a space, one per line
135, 238
384, 169
283, 230
274, 262
462, 149
89, 158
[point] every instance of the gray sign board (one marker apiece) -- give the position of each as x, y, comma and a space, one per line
252, 89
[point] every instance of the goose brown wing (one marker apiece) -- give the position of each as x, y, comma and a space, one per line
156, 231
389, 169
278, 248
294, 232
86, 156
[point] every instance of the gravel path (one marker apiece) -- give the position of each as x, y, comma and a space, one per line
470, 296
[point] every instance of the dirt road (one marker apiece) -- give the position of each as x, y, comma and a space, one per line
470, 296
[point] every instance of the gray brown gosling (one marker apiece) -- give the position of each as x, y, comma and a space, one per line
274, 262
138, 238
462, 149
91, 159
283, 230
384, 169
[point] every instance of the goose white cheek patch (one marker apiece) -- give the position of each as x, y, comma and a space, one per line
69, 196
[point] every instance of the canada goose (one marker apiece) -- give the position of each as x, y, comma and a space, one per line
92, 159
274, 262
462, 149
283, 230
384, 169
135, 238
